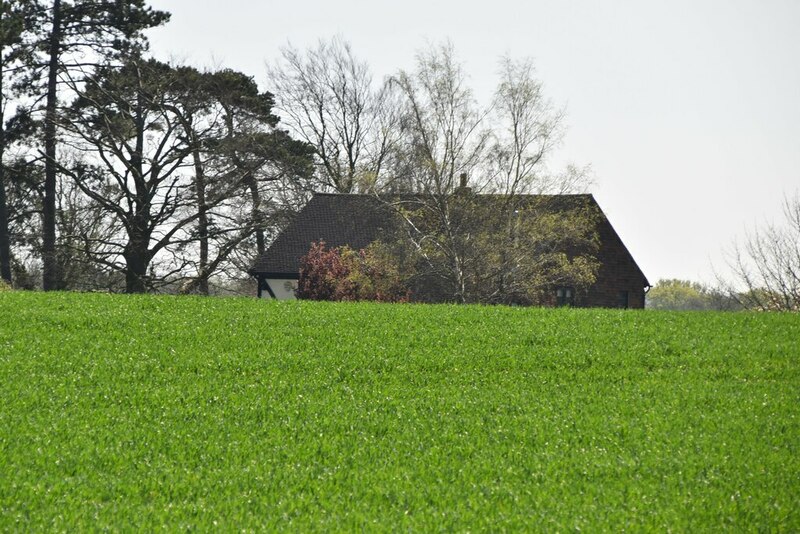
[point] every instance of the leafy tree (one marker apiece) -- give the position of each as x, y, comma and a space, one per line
124, 117
674, 294
24, 180
493, 249
237, 152
169, 156
15, 17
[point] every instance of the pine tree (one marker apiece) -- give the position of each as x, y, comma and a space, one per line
70, 37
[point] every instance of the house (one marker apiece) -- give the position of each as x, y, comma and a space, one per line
358, 220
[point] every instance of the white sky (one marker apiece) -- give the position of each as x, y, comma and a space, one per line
687, 110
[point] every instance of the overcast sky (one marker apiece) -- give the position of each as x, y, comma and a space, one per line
687, 110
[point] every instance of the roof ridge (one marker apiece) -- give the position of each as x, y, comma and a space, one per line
372, 195
319, 193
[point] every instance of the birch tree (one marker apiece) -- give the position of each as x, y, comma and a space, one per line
508, 247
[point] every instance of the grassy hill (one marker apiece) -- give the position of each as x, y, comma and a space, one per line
160, 412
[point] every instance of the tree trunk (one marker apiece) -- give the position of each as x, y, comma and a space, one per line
136, 266
137, 250
202, 224
5, 238
257, 220
51, 276
137, 254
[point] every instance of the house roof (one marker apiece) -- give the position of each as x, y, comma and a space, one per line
337, 219
358, 220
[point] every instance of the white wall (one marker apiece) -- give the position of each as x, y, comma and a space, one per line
283, 289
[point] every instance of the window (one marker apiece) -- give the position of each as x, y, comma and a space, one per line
622, 299
565, 296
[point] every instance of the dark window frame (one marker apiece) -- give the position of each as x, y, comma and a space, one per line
565, 296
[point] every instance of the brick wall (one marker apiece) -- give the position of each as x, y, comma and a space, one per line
618, 273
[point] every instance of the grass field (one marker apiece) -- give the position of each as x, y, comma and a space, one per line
171, 413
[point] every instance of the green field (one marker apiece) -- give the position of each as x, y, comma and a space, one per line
154, 413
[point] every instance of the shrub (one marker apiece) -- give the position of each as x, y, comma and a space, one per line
344, 274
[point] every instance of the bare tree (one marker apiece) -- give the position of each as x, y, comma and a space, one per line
766, 267
326, 97
84, 227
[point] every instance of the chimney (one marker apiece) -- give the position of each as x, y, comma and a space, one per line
462, 187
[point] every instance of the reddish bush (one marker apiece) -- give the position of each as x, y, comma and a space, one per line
344, 274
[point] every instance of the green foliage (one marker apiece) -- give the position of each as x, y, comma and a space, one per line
12, 24
4, 286
502, 249
681, 295
107, 27
161, 413
375, 274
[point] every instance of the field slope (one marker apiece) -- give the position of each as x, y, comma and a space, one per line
155, 413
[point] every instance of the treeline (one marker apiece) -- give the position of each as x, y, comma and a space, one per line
124, 173
119, 172
685, 295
